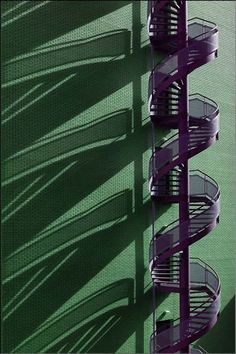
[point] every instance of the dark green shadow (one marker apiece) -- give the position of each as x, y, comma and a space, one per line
221, 339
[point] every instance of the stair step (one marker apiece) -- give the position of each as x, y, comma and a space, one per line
198, 210
175, 5
174, 90
165, 105
166, 18
165, 276
166, 269
199, 138
200, 296
201, 312
195, 328
199, 134
160, 274
167, 285
168, 98
202, 218
197, 141
171, 10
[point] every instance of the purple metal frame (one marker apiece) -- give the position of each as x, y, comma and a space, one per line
189, 45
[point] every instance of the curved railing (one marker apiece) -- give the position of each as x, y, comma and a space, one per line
166, 88
199, 138
203, 311
201, 109
202, 219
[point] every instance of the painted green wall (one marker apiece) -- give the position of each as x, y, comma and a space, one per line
76, 146
217, 81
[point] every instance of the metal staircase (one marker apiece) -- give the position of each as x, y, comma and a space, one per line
188, 46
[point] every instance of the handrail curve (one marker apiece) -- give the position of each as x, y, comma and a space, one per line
166, 90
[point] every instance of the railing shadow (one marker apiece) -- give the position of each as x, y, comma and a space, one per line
64, 81
60, 260
61, 17
123, 320
81, 239
77, 97
69, 143
55, 58
77, 315
112, 156
214, 342
84, 257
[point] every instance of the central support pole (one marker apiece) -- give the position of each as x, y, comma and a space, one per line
184, 182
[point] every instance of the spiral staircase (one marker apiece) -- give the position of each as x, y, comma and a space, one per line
167, 96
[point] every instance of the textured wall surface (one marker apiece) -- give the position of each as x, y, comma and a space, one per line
76, 146
217, 81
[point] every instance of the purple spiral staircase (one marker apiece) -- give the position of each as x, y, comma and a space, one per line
188, 45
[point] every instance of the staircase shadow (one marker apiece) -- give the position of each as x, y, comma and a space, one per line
213, 341
77, 97
112, 156
60, 16
92, 259
93, 166
77, 314
74, 142
123, 320
56, 58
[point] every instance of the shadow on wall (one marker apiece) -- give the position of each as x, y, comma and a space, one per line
221, 339
47, 22
46, 265
74, 317
111, 329
55, 58
48, 76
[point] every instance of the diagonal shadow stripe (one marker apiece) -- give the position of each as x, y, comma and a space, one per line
60, 16
74, 317
24, 12
16, 299
125, 319
39, 190
70, 144
114, 240
24, 297
53, 241
20, 99
37, 63
130, 319
100, 331
13, 6
102, 80
38, 98
113, 158
101, 263
82, 338
18, 196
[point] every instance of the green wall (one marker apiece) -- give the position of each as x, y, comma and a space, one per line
217, 80
76, 145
